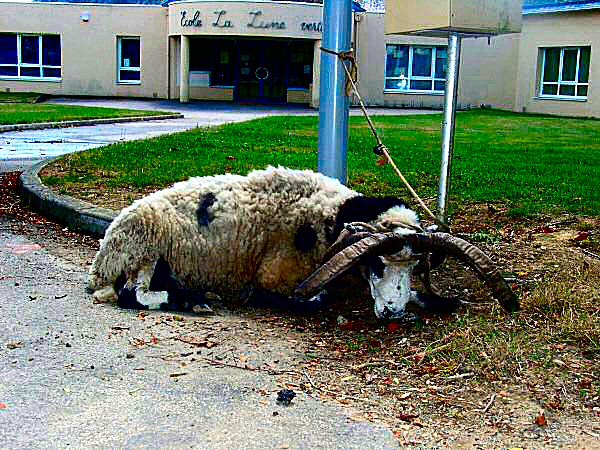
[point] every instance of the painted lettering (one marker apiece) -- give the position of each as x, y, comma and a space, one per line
220, 22
312, 26
193, 22
255, 22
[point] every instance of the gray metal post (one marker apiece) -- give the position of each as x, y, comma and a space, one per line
334, 104
448, 125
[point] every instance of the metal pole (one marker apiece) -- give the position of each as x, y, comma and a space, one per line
334, 104
448, 125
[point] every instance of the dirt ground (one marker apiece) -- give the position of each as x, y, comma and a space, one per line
478, 378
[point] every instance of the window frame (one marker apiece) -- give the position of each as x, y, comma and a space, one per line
40, 64
410, 77
120, 68
559, 80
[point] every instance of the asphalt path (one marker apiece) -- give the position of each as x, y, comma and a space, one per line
75, 374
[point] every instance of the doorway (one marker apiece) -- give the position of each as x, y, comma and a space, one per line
262, 71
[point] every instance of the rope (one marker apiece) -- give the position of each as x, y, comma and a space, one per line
352, 73
380, 149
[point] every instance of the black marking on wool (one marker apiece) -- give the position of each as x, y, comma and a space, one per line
202, 213
376, 266
363, 209
306, 237
329, 228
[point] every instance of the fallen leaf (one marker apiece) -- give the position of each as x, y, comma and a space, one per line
407, 417
177, 374
21, 249
3, 405
392, 327
540, 420
14, 344
200, 341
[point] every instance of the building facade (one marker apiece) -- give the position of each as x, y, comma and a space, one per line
269, 51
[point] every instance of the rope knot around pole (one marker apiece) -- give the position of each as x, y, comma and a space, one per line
352, 73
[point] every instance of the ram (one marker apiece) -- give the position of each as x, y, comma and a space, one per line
265, 233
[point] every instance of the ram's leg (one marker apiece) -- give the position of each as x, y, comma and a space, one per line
104, 295
433, 303
263, 298
133, 290
178, 297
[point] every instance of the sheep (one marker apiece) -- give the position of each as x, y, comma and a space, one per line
266, 231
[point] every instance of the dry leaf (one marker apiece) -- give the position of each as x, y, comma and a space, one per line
198, 341
177, 374
540, 420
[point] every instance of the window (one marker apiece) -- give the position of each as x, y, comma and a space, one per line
30, 56
128, 50
415, 69
565, 72
301, 65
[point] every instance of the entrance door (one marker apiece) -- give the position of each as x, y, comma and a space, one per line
262, 71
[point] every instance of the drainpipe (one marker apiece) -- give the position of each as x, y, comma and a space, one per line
334, 104
357, 18
184, 70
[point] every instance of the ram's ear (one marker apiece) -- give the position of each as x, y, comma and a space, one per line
363, 209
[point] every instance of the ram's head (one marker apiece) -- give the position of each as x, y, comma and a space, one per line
388, 261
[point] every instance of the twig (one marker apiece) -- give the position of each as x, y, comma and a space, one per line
421, 356
492, 398
309, 379
215, 362
595, 435
588, 253
370, 364
460, 376
337, 394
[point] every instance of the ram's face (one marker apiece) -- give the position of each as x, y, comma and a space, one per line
389, 279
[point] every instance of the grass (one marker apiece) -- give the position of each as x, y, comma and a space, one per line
19, 97
20, 108
530, 163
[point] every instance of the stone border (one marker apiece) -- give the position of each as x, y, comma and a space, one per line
76, 214
84, 122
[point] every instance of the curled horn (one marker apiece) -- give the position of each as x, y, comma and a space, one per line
348, 257
346, 239
390, 243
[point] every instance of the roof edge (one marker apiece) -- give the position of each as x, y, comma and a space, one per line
527, 11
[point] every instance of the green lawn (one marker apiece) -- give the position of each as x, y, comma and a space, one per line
19, 97
531, 163
20, 107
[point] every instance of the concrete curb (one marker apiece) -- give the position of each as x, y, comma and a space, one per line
76, 214
84, 122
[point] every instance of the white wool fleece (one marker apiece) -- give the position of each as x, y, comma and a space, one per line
249, 239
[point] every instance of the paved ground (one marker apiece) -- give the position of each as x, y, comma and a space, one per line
74, 374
